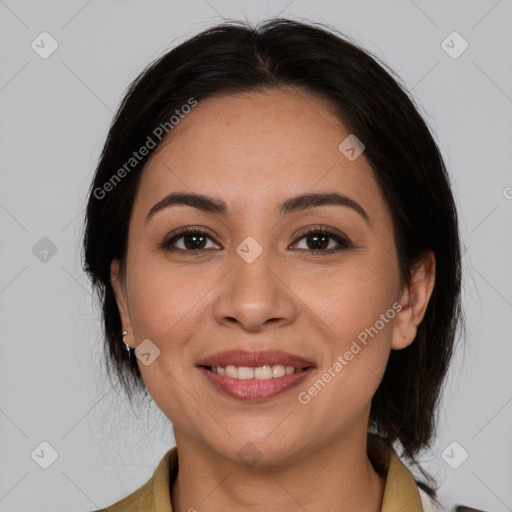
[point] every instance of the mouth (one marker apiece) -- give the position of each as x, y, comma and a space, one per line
263, 372
260, 375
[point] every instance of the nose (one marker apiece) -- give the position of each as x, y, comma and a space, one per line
255, 296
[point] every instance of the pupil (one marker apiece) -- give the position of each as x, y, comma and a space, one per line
192, 245
318, 243
317, 238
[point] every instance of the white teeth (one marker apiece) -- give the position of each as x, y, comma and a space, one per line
245, 372
264, 372
278, 370
231, 371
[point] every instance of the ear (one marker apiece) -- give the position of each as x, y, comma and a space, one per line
414, 301
119, 287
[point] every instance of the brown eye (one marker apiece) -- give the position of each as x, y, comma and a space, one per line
318, 241
194, 240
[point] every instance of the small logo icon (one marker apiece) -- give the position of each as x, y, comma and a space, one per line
249, 249
44, 455
454, 45
147, 352
507, 192
44, 45
351, 147
249, 454
44, 250
454, 455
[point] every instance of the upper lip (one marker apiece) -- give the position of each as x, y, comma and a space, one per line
255, 358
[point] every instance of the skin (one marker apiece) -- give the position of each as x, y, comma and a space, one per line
253, 151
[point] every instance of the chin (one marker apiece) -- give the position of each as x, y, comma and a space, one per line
256, 451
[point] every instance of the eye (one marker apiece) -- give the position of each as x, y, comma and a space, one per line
318, 241
194, 241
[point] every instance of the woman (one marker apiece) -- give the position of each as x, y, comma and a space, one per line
274, 239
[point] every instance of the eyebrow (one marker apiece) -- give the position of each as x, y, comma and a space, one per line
292, 204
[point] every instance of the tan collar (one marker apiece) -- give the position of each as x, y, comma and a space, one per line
400, 493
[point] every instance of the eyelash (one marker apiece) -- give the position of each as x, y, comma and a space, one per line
344, 242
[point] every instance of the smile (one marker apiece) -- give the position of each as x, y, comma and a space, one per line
264, 372
255, 375
250, 387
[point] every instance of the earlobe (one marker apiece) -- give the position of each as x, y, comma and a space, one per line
414, 301
120, 294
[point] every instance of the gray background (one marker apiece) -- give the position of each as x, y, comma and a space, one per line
55, 116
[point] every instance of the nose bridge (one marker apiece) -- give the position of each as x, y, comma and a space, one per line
253, 282
253, 292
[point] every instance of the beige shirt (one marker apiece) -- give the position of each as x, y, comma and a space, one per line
400, 493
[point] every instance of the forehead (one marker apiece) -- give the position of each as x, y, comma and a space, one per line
256, 147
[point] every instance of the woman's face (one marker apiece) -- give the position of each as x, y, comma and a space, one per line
253, 280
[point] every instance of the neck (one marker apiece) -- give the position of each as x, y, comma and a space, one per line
340, 476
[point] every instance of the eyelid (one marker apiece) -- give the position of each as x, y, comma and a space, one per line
191, 230
173, 236
314, 228
339, 237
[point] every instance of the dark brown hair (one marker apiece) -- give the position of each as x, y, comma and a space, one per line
235, 57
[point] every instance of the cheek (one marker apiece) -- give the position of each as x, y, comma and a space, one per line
163, 299
351, 298
354, 355
166, 306
355, 309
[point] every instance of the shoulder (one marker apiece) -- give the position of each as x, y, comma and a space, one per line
136, 501
154, 495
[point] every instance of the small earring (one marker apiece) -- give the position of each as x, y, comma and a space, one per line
128, 349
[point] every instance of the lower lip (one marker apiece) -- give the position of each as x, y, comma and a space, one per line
255, 389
